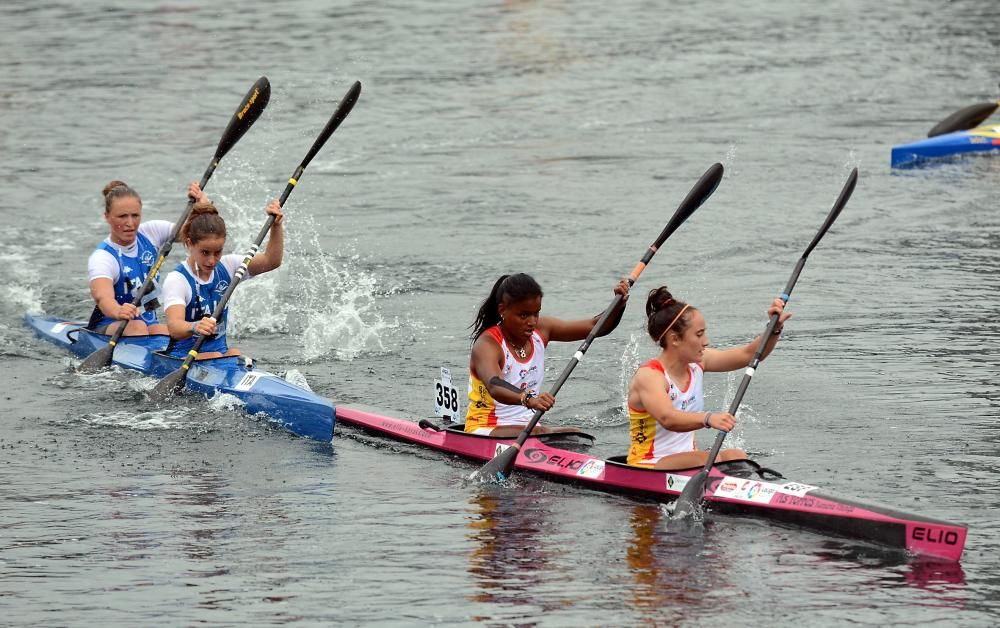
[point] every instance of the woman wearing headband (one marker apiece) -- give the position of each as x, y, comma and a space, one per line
666, 402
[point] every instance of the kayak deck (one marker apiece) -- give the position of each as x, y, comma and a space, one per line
742, 487
296, 409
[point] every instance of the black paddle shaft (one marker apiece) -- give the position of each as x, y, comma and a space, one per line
685, 501
250, 108
338, 116
502, 464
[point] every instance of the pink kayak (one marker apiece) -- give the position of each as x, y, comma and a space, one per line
742, 487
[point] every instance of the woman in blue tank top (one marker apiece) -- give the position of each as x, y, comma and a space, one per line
194, 288
119, 265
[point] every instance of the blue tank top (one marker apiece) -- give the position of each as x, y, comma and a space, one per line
204, 298
132, 272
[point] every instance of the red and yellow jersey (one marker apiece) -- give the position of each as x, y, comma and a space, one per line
484, 412
650, 440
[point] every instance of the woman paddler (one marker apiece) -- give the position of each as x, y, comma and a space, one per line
508, 355
193, 289
120, 264
666, 402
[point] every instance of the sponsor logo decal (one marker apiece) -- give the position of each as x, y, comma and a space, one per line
591, 469
676, 482
538, 457
250, 380
795, 488
934, 535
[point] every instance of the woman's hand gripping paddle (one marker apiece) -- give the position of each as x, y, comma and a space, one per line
501, 466
250, 108
173, 382
694, 491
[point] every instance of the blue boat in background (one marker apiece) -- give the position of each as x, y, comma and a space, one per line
982, 139
295, 408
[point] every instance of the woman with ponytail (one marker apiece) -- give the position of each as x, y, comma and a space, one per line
666, 403
193, 289
508, 354
120, 264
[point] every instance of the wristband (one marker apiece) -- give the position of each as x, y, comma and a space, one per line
708, 417
777, 331
525, 398
194, 326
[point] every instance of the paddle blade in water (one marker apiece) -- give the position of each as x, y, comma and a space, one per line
963, 119
169, 386
97, 360
251, 107
691, 496
498, 469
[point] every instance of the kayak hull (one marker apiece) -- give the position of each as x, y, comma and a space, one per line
790, 502
982, 139
296, 409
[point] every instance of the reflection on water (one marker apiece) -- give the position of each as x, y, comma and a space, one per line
512, 556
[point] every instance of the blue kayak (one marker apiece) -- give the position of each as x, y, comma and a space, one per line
979, 140
297, 409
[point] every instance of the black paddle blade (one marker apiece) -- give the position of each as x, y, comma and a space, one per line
97, 360
338, 116
838, 206
251, 107
963, 119
703, 189
690, 497
169, 386
498, 469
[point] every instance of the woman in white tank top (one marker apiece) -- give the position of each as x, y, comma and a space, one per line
665, 397
507, 366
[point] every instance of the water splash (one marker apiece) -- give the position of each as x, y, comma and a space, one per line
729, 161
21, 292
328, 301
164, 419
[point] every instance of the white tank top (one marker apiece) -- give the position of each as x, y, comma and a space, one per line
527, 374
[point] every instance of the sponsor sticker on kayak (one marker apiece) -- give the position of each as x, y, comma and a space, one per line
248, 381
795, 488
591, 469
58, 327
746, 490
676, 482
499, 450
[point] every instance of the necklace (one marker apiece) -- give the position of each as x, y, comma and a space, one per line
520, 351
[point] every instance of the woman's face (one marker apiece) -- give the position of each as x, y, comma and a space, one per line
690, 346
205, 254
124, 216
520, 317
